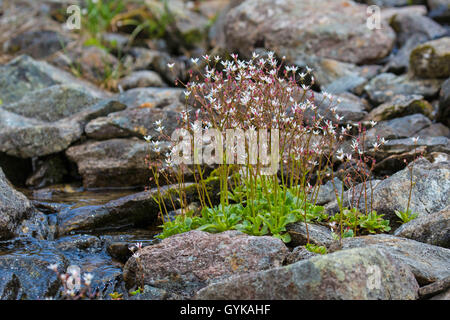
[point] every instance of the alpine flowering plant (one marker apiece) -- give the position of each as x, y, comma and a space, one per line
256, 106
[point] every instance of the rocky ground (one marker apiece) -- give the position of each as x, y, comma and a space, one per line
72, 150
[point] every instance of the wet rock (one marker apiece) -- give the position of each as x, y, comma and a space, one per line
113, 163
426, 145
184, 263
428, 263
328, 29
432, 59
298, 254
361, 274
37, 43
14, 209
444, 103
429, 194
138, 122
318, 235
385, 86
401, 106
141, 79
397, 128
23, 75
48, 171
432, 229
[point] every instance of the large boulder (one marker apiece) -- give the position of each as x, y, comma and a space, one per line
444, 103
184, 263
296, 29
362, 274
428, 263
432, 229
432, 59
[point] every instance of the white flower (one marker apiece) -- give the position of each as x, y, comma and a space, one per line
376, 146
415, 139
194, 60
171, 65
187, 93
373, 123
53, 267
88, 278
158, 123
148, 138
383, 141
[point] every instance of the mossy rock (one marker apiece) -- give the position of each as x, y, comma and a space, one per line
431, 59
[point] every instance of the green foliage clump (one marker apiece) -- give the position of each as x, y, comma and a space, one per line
406, 216
316, 249
271, 210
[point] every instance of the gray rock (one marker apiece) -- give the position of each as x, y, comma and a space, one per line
113, 163
137, 122
400, 106
444, 103
385, 86
338, 77
392, 3
184, 263
140, 209
435, 289
426, 145
23, 75
428, 263
318, 235
412, 30
431, 59
357, 274
334, 37
26, 276
435, 130
59, 121
432, 229
140, 79
439, 10
326, 192
429, 194
53, 103
48, 171
298, 254
151, 97
15, 208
